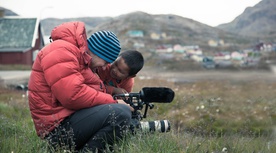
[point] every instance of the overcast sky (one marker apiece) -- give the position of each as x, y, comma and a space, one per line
210, 12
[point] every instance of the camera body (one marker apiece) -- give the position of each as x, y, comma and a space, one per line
145, 98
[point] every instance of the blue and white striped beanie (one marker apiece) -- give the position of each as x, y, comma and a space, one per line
104, 44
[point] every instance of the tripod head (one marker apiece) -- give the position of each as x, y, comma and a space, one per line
147, 96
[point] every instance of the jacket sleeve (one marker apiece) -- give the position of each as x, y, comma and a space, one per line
62, 73
109, 89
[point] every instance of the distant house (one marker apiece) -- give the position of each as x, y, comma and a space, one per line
215, 43
164, 48
212, 43
20, 40
179, 48
138, 45
238, 55
135, 33
157, 36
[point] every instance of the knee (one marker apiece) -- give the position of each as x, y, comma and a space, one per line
125, 110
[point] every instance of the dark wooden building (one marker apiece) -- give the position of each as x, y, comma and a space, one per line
20, 40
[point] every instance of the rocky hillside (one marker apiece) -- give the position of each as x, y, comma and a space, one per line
7, 12
91, 22
178, 30
258, 21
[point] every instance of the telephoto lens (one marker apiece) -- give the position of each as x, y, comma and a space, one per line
158, 125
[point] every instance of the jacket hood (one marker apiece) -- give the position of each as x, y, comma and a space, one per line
72, 32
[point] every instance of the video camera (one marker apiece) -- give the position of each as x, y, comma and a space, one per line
146, 97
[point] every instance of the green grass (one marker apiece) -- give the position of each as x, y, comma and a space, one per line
206, 116
17, 131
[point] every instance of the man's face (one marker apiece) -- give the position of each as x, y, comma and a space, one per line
119, 69
96, 62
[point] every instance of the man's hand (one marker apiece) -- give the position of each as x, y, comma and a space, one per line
123, 102
119, 91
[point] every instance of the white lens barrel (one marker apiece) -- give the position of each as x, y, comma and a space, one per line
158, 125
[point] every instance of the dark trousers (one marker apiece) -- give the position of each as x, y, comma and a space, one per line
91, 128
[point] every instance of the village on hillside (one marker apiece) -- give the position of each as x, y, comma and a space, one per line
239, 58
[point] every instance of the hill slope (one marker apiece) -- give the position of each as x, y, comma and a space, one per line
178, 30
258, 21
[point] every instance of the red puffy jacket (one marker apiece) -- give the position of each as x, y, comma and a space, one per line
61, 81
